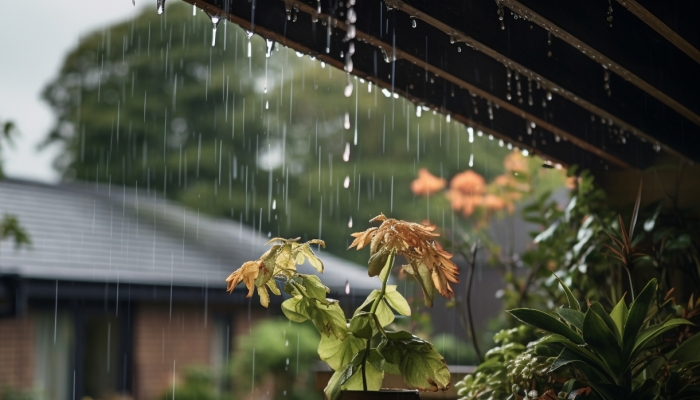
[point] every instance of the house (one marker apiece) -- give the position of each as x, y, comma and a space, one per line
121, 289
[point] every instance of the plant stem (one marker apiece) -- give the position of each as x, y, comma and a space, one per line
467, 299
629, 276
373, 312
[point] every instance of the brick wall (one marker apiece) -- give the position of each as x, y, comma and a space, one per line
161, 342
16, 352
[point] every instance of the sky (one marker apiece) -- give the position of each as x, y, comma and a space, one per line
32, 48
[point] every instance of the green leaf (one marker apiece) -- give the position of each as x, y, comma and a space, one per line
543, 320
582, 354
423, 368
376, 359
635, 319
399, 335
646, 390
268, 267
328, 319
384, 274
361, 326
294, 309
384, 314
368, 301
688, 351
422, 275
573, 304
609, 322
313, 260
374, 376
547, 233
337, 353
574, 317
601, 340
585, 364
337, 380
377, 262
655, 331
619, 315
314, 287
397, 301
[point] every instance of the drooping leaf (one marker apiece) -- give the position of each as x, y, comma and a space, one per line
397, 301
423, 368
654, 332
377, 262
337, 380
272, 285
688, 351
574, 317
573, 304
311, 257
314, 287
361, 325
584, 355
337, 353
422, 275
328, 319
264, 296
295, 309
545, 321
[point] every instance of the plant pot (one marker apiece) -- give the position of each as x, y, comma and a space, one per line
382, 394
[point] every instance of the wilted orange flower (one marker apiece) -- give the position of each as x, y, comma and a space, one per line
468, 182
247, 274
427, 183
515, 161
416, 243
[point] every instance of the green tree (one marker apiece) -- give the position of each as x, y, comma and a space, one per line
231, 132
9, 225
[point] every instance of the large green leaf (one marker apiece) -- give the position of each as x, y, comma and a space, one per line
337, 353
361, 325
328, 319
545, 321
619, 315
423, 368
688, 351
585, 355
384, 314
397, 301
337, 380
295, 309
609, 322
635, 319
580, 361
574, 317
654, 332
602, 340
368, 301
373, 375
314, 287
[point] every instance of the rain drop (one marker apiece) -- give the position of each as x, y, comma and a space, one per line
470, 130
346, 182
418, 111
215, 19
346, 123
350, 223
549, 95
346, 153
347, 283
274, 204
348, 90
161, 6
471, 160
300, 54
270, 46
413, 23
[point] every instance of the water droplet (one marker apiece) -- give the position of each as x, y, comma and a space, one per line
346, 182
348, 90
347, 283
479, 133
161, 6
413, 23
215, 19
346, 123
448, 118
386, 92
300, 54
351, 17
470, 130
459, 49
549, 95
657, 147
194, 10
248, 34
270, 46
471, 160
323, 65
274, 204
501, 143
508, 96
350, 33
267, 102
346, 153
525, 152
418, 111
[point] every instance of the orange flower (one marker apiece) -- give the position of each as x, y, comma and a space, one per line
515, 161
493, 202
416, 243
468, 182
464, 203
427, 183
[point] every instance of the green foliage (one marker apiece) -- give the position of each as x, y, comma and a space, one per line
10, 228
620, 355
280, 350
198, 383
9, 393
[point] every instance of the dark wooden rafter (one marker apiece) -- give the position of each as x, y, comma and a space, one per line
661, 28
432, 68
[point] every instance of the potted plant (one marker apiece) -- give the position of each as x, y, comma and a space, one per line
362, 350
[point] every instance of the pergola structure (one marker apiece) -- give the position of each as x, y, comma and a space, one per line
607, 85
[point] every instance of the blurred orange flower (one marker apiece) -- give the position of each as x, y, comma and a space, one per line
464, 203
493, 202
427, 184
468, 183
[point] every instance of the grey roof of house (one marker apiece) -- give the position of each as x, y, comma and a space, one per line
97, 233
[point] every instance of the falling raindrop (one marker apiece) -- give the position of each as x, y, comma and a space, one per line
549, 95
413, 23
418, 111
161, 6
448, 118
215, 19
346, 123
194, 10
347, 283
346, 153
346, 182
299, 54
270, 46
470, 130
459, 49
657, 147
348, 90
267, 104
471, 160
349, 226
274, 204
